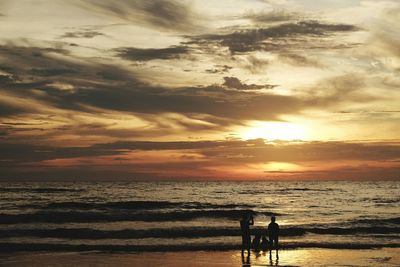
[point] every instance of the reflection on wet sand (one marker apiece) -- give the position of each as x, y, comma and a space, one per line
295, 257
246, 260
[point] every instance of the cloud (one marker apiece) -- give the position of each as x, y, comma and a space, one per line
159, 14
77, 85
266, 38
46, 81
147, 99
146, 54
82, 34
219, 69
255, 64
385, 32
51, 71
306, 152
233, 82
300, 60
5, 79
8, 109
339, 90
272, 16
210, 155
252, 151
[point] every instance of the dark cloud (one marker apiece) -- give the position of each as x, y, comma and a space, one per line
272, 16
91, 87
82, 86
267, 38
233, 82
251, 151
215, 153
36, 66
160, 14
146, 99
146, 54
9, 109
17, 61
37, 153
51, 71
5, 79
82, 34
219, 69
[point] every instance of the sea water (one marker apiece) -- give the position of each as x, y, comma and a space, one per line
174, 216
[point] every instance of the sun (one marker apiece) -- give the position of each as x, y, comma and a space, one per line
274, 131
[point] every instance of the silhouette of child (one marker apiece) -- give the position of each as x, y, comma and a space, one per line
264, 243
256, 242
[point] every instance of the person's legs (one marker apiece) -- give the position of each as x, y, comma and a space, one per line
270, 246
276, 246
271, 242
248, 239
246, 244
243, 245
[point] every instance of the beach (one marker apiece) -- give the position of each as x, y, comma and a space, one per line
294, 257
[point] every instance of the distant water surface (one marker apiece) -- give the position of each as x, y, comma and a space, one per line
166, 216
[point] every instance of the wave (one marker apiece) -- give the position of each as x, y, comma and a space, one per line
378, 221
186, 232
382, 200
112, 216
136, 205
18, 247
149, 215
85, 233
106, 205
39, 190
309, 189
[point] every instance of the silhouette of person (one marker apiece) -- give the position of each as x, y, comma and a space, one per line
264, 243
256, 242
245, 222
273, 234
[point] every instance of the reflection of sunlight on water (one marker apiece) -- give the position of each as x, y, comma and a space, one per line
301, 257
321, 257
292, 257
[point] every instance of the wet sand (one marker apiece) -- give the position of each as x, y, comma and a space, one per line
295, 257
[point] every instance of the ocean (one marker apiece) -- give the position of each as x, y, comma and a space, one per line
180, 216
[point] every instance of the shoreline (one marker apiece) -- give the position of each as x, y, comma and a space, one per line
289, 257
80, 248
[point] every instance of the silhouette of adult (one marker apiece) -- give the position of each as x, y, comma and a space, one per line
245, 222
273, 234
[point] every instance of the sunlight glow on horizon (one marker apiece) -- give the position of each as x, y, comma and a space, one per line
274, 131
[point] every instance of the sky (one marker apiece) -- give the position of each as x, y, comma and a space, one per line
199, 90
